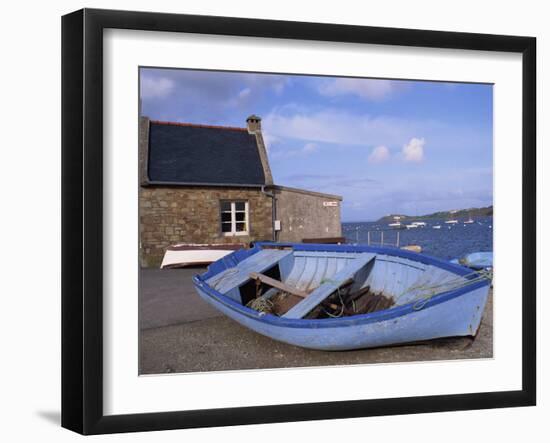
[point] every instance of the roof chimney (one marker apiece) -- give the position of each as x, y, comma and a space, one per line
254, 124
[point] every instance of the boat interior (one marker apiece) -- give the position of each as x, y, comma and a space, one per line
321, 284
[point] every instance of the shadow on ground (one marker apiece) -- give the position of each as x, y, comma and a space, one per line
53, 417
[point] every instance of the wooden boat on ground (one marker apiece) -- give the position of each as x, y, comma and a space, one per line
338, 297
193, 254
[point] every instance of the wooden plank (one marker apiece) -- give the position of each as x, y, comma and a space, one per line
326, 289
297, 270
325, 240
332, 254
277, 284
308, 274
236, 276
322, 264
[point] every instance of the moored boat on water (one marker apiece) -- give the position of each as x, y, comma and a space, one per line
396, 224
338, 297
476, 260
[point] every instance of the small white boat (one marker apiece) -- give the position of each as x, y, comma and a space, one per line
396, 224
420, 224
436, 226
194, 254
451, 222
412, 226
469, 221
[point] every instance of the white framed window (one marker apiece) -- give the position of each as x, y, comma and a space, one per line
234, 217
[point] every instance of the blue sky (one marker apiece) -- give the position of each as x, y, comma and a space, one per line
385, 146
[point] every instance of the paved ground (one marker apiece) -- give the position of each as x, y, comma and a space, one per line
167, 297
182, 333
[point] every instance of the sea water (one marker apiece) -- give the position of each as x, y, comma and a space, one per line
448, 242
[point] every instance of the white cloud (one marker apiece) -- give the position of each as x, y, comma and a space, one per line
414, 150
368, 89
244, 93
304, 151
270, 141
259, 83
309, 148
279, 86
344, 128
379, 154
156, 87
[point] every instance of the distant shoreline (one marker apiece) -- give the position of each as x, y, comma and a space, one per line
411, 218
458, 214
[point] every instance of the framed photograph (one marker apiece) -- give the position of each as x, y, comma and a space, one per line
269, 221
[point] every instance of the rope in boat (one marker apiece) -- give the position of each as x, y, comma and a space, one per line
341, 309
427, 291
262, 305
338, 284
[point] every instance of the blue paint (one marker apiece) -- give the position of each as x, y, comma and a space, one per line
237, 272
327, 288
452, 313
479, 260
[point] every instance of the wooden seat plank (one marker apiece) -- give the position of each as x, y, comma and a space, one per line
277, 284
322, 292
236, 276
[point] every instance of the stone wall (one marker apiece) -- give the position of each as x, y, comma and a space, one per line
170, 215
306, 214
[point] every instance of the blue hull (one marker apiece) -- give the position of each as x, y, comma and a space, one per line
453, 313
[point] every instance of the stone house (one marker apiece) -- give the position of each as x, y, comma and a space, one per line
213, 184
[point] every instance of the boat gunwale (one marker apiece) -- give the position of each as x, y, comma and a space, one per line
354, 320
385, 250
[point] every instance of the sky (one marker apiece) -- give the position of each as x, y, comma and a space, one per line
385, 146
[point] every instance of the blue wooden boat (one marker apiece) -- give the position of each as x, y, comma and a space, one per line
430, 298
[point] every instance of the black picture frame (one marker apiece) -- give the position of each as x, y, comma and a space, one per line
82, 215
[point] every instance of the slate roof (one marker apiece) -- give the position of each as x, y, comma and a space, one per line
199, 154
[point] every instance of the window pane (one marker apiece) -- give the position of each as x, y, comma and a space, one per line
240, 216
241, 227
226, 216
239, 206
226, 227
226, 206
